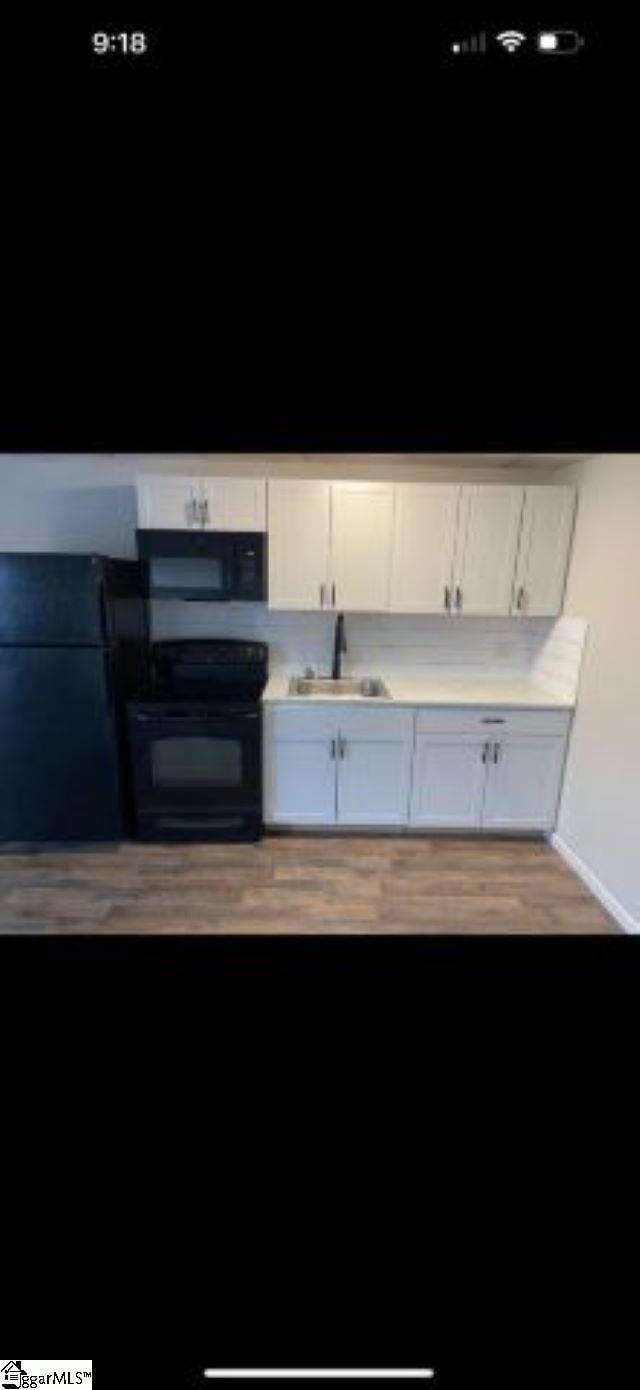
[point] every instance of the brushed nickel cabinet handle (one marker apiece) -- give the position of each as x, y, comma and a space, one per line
485, 751
333, 595
333, 748
322, 591
458, 598
486, 720
496, 752
520, 599
447, 598
342, 743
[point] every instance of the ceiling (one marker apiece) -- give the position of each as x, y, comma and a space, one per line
503, 460
446, 461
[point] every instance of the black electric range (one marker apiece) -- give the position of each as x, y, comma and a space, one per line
196, 742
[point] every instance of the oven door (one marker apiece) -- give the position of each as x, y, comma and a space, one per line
187, 761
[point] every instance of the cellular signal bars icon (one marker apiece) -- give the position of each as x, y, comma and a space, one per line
477, 43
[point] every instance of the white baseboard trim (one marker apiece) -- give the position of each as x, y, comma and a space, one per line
622, 917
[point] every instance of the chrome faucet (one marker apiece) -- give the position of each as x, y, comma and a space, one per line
339, 646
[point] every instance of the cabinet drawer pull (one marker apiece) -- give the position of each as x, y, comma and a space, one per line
447, 598
520, 600
493, 721
342, 743
333, 748
322, 593
485, 751
496, 752
458, 598
333, 595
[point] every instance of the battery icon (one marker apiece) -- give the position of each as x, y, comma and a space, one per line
559, 41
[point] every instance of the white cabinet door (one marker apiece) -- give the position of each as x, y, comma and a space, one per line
488, 529
523, 783
375, 749
361, 538
169, 504
424, 533
543, 552
449, 776
235, 504
300, 752
299, 522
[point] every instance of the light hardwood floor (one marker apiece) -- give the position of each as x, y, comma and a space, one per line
306, 884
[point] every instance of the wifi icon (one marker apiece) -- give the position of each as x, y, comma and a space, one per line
511, 39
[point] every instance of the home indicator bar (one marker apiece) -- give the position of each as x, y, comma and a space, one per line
313, 1374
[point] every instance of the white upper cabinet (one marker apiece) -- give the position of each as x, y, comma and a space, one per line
384, 547
543, 552
424, 536
299, 540
169, 504
330, 545
220, 504
487, 542
235, 504
361, 540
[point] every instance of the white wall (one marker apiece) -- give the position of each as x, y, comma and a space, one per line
87, 502
599, 819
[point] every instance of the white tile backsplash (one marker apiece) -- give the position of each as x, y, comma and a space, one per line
557, 664
546, 650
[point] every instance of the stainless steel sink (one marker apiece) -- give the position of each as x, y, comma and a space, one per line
370, 687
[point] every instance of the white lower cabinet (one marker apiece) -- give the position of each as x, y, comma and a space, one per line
523, 782
375, 750
465, 769
329, 766
449, 775
300, 747
495, 780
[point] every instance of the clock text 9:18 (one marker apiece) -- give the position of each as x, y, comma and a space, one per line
124, 43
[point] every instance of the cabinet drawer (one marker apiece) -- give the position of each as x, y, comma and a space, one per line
484, 719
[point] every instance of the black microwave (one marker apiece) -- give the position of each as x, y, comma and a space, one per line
214, 566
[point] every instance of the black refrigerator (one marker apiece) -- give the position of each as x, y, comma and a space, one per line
73, 649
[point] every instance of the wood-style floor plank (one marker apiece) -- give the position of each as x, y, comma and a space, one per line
307, 884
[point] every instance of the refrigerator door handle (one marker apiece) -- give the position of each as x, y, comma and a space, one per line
104, 612
108, 679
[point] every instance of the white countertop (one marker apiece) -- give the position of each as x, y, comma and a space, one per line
427, 690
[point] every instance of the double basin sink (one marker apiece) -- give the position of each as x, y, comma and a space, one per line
368, 688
